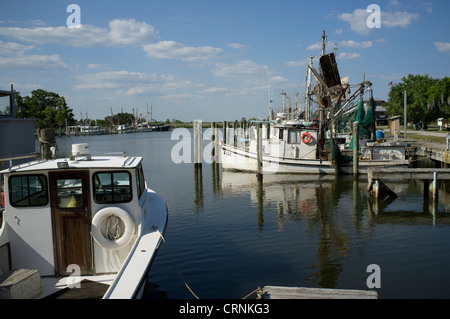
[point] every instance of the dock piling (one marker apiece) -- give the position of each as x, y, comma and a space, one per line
355, 148
198, 143
259, 149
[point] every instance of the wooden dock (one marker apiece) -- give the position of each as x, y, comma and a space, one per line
277, 292
396, 174
377, 176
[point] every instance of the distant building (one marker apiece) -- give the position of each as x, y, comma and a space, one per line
380, 111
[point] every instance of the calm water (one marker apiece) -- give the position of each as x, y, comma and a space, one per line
229, 234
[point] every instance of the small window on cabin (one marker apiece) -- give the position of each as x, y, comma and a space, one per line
5, 105
28, 190
293, 137
280, 134
69, 193
140, 181
112, 187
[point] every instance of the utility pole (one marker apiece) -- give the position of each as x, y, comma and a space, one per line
404, 113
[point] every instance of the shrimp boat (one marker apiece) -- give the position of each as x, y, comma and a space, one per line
293, 141
81, 219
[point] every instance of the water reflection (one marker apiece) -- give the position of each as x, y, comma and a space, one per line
311, 200
336, 212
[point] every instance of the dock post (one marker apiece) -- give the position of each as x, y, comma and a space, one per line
355, 148
433, 189
258, 148
213, 142
198, 143
225, 132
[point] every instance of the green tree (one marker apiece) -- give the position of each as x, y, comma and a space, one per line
439, 99
416, 87
50, 109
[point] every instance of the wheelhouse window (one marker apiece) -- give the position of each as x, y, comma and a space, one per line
5, 105
112, 187
69, 193
28, 190
293, 137
140, 180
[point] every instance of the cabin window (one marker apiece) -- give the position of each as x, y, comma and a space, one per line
293, 137
140, 180
69, 193
5, 105
28, 190
112, 187
280, 134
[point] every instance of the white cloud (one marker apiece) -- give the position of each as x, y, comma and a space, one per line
442, 46
237, 46
315, 46
121, 32
177, 51
358, 20
33, 62
301, 63
348, 56
13, 48
398, 19
243, 68
354, 44
115, 80
216, 90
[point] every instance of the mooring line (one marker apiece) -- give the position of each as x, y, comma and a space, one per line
175, 266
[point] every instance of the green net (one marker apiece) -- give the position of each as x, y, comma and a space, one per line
366, 120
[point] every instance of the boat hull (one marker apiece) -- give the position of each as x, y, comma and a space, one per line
242, 160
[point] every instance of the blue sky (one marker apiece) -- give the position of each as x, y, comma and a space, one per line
210, 60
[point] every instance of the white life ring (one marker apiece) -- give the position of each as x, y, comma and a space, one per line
98, 225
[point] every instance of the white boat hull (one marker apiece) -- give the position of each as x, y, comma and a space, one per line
241, 160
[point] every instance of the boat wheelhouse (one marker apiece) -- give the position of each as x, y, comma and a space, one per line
84, 216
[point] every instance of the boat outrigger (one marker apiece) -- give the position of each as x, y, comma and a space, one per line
83, 217
293, 141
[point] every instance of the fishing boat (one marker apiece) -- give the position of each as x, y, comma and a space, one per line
80, 219
293, 141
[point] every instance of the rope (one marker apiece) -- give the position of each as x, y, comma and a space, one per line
258, 290
175, 266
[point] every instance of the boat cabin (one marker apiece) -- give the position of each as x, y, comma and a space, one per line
84, 211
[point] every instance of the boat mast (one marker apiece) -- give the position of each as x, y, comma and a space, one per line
271, 117
308, 92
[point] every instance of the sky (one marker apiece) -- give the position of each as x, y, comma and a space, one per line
211, 60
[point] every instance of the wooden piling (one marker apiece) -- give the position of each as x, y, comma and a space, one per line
47, 141
225, 132
198, 135
259, 148
355, 148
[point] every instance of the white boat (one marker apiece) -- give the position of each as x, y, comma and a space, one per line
295, 142
81, 218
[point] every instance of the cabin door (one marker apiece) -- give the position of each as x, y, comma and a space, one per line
71, 221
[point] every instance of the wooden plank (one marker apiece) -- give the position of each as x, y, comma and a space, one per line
395, 174
277, 292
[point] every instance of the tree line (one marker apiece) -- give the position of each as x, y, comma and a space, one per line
51, 111
427, 99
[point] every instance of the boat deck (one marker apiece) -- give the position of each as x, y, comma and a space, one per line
83, 287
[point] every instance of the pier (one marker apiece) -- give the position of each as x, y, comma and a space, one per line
276, 292
376, 177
